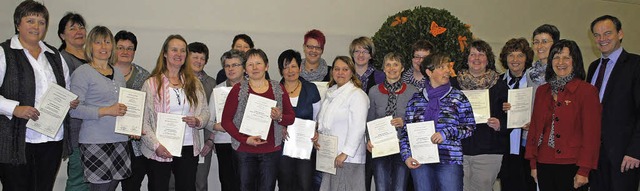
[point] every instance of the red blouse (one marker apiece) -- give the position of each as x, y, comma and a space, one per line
230, 108
577, 127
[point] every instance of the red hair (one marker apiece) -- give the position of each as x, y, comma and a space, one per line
317, 35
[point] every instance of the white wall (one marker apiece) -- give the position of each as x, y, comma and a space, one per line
279, 25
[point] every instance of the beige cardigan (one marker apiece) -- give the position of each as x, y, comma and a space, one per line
149, 138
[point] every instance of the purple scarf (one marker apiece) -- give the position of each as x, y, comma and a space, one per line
434, 95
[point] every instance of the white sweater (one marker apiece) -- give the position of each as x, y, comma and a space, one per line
344, 114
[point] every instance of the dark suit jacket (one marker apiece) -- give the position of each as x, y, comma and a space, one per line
621, 108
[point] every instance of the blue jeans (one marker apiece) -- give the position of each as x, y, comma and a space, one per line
390, 173
442, 177
258, 171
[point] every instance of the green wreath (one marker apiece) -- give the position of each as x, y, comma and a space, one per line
398, 33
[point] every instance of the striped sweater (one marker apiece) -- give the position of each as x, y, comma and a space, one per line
455, 122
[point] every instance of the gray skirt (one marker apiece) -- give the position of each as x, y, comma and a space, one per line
105, 162
348, 178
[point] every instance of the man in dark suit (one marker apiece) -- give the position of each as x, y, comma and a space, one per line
617, 75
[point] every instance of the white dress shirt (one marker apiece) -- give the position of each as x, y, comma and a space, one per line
43, 75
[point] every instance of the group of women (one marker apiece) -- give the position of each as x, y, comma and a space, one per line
558, 141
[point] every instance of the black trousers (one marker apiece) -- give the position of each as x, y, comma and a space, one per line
609, 178
139, 169
515, 173
40, 171
184, 168
227, 167
368, 171
295, 174
557, 177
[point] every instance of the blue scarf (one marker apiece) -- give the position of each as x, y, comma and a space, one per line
434, 95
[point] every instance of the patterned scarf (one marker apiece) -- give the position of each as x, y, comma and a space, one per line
484, 81
433, 95
316, 75
537, 73
365, 77
558, 83
392, 101
407, 77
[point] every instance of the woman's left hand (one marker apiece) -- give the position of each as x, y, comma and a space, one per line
339, 162
494, 123
74, 103
276, 114
191, 121
397, 122
579, 181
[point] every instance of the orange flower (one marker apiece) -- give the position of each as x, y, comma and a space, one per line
452, 72
462, 41
398, 20
436, 30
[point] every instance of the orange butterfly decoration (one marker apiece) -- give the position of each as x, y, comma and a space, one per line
398, 20
436, 30
462, 41
452, 72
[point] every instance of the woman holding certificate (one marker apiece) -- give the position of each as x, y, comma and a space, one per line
390, 98
563, 142
104, 153
452, 116
481, 84
516, 56
29, 160
257, 155
343, 115
176, 107
231, 61
296, 174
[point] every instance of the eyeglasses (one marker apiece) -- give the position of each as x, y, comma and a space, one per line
128, 49
418, 57
232, 65
543, 42
358, 52
311, 47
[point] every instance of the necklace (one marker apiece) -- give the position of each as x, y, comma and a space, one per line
296, 88
175, 84
130, 70
104, 71
257, 86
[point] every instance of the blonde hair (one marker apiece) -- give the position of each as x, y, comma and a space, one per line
186, 73
99, 32
364, 42
351, 66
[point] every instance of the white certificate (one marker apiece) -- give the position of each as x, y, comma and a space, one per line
131, 122
479, 100
383, 137
53, 108
200, 157
327, 153
219, 99
257, 116
299, 144
170, 132
322, 88
422, 149
520, 112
